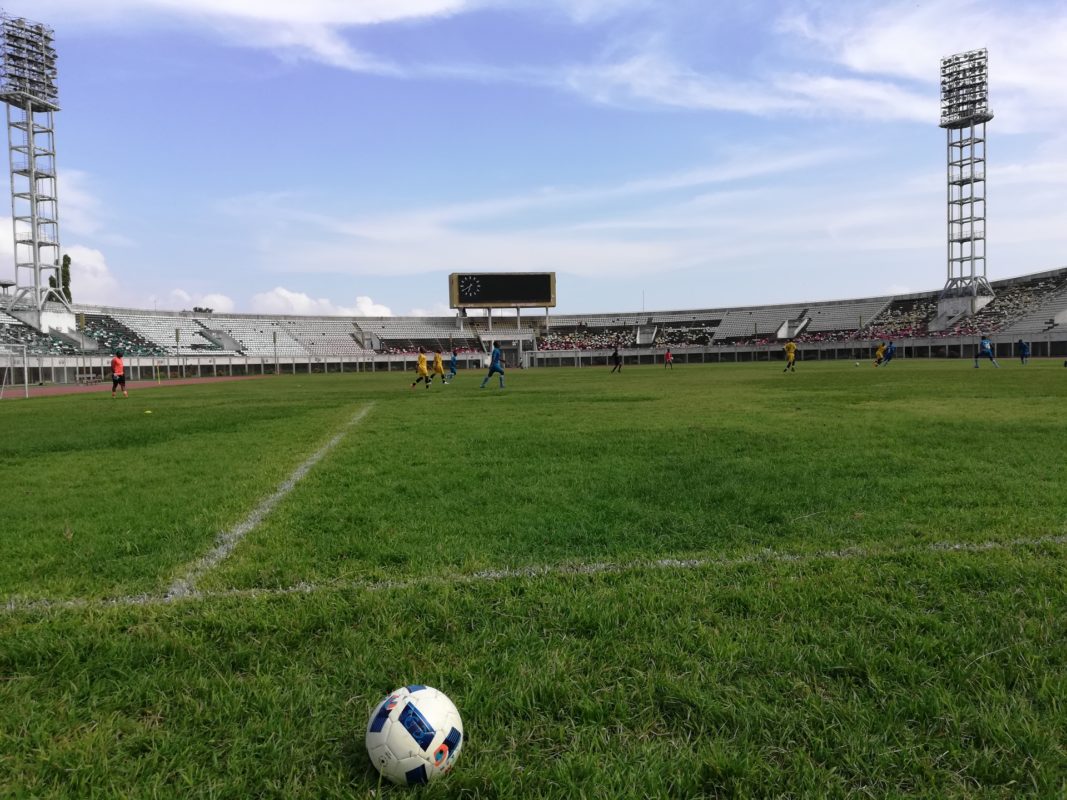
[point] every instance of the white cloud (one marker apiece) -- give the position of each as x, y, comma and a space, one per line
219, 303
80, 208
336, 13
497, 233
877, 60
437, 310
881, 59
739, 165
280, 300
306, 12
899, 288
311, 29
739, 217
651, 78
91, 280
7, 249
905, 41
591, 11
82, 213
365, 307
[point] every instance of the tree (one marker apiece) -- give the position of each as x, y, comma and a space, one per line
64, 274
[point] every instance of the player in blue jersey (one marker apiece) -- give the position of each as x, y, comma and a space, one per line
985, 350
496, 366
1024, 352
452, 367
890, 351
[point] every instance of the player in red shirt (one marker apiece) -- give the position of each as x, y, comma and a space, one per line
668, 360
118, 375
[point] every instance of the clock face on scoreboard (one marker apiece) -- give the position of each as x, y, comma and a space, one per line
502, 289
469, 287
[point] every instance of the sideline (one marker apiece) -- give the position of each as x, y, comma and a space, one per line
228, 540
15, 604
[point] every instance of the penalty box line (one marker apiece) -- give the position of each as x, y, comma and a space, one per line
228, 540
765, 556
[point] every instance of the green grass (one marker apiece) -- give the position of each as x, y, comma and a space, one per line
902, 669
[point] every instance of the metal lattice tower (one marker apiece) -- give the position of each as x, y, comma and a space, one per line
964, 114
28, 87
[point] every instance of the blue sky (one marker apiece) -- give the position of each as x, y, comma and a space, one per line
344, 157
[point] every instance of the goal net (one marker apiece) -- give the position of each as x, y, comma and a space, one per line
14, 370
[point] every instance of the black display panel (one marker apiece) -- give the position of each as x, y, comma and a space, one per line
502, 289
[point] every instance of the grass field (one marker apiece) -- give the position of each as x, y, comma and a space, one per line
719, 581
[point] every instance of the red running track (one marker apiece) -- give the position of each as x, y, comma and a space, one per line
104, 387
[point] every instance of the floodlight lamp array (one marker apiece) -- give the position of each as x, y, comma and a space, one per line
28, 64
965, 89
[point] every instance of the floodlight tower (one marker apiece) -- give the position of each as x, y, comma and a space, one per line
28, 88
964, 114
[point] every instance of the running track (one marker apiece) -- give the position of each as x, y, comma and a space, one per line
104, 387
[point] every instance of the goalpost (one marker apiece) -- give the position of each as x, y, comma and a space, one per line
12, 358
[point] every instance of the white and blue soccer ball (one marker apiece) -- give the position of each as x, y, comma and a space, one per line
414, 735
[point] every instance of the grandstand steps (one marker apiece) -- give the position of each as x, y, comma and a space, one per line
793, 327
645, 335
220, 339
946, 319
955, 310
79, 340
26, 317
365, 339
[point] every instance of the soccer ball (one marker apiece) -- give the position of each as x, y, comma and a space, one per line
414, 735
857, 363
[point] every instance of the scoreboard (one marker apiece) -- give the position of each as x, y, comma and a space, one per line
502, 289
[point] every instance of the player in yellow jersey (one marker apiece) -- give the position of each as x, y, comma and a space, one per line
420, 369
790, 356
879, 353
438, 366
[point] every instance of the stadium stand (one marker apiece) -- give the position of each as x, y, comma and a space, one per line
112, 335
1046, 316
1012, 302
905, 318
598, 320
400, 335
844, 316
160, 329
1032, 306
258, 337
587, 338
15, 331
325, 337
694, 335
746, 324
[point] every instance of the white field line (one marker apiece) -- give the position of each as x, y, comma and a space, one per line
228, 540
16, 604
